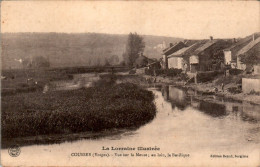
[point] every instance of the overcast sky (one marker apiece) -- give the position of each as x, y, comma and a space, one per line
165, 18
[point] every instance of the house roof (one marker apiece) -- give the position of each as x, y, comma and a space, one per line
234, 48
152, 63
190, 42
187, 50
205, 46
249, 46
173, 46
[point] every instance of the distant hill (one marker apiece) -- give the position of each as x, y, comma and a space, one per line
67, 50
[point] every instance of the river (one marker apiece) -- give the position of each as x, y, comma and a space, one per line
186, 123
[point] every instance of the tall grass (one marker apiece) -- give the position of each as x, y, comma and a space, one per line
89, 109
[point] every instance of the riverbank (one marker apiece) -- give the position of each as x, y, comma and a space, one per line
206, 88
91, 109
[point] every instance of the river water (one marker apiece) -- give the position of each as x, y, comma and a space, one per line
186, 124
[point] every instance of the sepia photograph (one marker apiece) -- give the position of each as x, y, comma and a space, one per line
130, 83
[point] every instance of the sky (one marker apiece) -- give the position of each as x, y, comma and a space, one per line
191, 19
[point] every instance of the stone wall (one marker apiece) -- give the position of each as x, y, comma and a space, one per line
250, 84
256, 69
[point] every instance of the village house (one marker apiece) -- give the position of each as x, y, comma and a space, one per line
168, 51
154, 63
180, 58
251, 48
250, 83
230, 53
209, 56
141, 61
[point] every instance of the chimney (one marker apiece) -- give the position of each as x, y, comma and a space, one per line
253, 37
171, 44
211, 38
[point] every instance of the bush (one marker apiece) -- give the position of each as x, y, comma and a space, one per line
207, 76
105, 80
5, 92
148, 71
234, 90
165, 72
173, 72
234, 71
22, 85
87, 109
184, 77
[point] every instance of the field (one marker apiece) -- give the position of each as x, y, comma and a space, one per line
24, 80
103, 106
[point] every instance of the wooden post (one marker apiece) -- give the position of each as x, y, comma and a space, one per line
195, 78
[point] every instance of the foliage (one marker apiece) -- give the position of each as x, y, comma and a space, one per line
216, 52
90, 109
36, 62
184, 77
134, 46
234, 71
237, 79
234, 90
105, 80
164, 72
207, 76
173, 72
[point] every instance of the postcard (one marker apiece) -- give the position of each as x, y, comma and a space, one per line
130, 83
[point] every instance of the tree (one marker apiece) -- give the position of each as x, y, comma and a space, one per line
106, 62
135, 45
36, 62
98, 62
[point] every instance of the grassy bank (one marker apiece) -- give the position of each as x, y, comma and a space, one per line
63, 112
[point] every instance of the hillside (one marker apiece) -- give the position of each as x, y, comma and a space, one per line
66, 50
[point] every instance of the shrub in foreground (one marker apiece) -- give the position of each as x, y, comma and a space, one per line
207, 76
91, 109
234, 90
166, 72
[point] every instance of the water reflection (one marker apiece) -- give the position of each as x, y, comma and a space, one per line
212, 109
217, 107
177, 97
